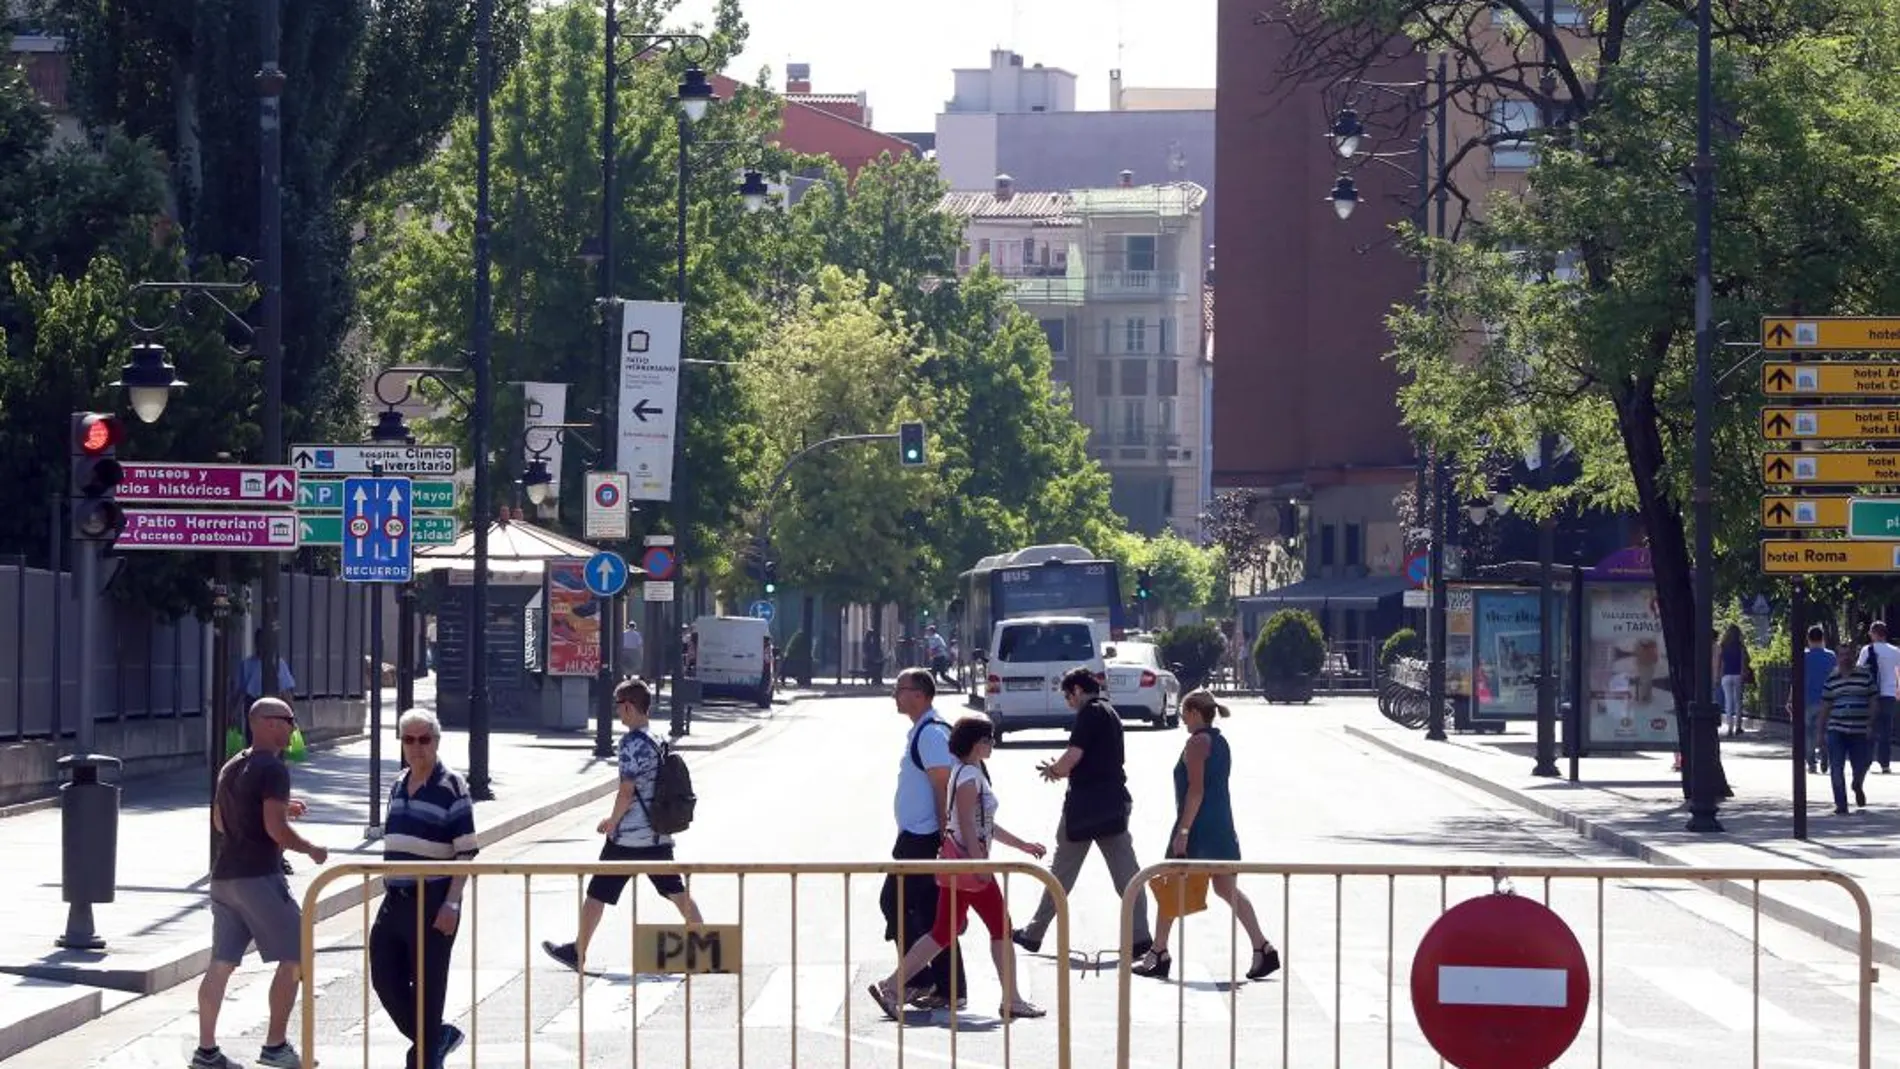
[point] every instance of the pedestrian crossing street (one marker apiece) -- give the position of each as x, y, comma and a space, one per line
1655, 1012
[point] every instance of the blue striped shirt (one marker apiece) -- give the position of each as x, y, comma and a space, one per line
436, 823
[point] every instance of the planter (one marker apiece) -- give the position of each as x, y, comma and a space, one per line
1297, 690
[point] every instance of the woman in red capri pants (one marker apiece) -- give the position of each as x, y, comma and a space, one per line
970, 823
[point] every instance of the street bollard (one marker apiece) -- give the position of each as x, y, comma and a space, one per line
89, 845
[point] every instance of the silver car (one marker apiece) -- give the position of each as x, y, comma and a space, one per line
1143, 688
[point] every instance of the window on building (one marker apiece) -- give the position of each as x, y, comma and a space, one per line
1164, 419
1108, 335
1029, 252
1135, 336
1167, 377
1510, 117
1167, 497
1166, 331
1134, 422
1104, 419
1355, 552
1104, 377
1055, 330
1059, 370
963, 256
1134, 378
983, 248
1138, 252
1328, 545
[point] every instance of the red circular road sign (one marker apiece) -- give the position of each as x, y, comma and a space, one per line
1417, 568
659, 563
393, 527
1500, 982
359, 526
606, 495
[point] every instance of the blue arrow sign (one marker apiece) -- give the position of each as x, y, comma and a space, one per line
377, 534
764, 610
606, 574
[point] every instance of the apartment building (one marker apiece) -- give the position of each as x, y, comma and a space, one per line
1114, 276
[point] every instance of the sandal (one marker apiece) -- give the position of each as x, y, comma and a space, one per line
1154, 964
886, 1000
1022, 1009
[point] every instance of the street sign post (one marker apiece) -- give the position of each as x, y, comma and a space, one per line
607, 517
1842, 468
230, 530
1835, 379
605, 574
1831, 333
1829, 557
659, 562
1840, 423
325, 494
656, 590
1418, 568
1500, 982
1873, 517
326, 529
207, 484
377, 540
649, 395
1784, 513
762, 609
350, 459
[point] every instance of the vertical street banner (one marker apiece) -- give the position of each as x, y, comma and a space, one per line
544, 404
649, 396
573, 620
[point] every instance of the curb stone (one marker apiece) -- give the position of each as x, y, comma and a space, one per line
1822, 926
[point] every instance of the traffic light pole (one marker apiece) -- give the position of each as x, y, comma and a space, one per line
85, 583
785, 470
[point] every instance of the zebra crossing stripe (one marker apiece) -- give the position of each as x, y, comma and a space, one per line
459, 998
1721, 1000
611, 1005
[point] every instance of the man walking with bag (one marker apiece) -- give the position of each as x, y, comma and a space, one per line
1095, 810
923, 789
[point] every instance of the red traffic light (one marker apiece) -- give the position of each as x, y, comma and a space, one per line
95, 433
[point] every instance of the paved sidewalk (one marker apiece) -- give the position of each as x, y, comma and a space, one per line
1633, 803
157, 931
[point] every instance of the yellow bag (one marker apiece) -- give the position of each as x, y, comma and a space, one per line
1179, 895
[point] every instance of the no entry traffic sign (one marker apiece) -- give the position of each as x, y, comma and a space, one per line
1500, 982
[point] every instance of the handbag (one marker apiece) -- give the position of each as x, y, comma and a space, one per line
1181, 894
1096, 812
948, 850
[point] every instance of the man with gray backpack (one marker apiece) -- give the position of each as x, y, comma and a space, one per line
654, 803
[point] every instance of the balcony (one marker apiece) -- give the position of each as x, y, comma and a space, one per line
1137, 285
1137, 446
1061, 289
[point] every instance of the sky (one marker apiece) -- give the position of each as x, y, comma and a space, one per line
901, 52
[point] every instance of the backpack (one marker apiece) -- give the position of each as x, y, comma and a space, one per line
917, 758
671, 811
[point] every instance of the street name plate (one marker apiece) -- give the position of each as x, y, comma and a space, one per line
1830, 333
326, 529
1830, 469
1833, 379
349, 459
320, 494
1829, 557
1785, 513
231, 530
1831, 422
208, 484
1874, 518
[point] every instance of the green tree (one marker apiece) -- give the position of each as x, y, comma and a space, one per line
1181, 575
1583, 286
850, 521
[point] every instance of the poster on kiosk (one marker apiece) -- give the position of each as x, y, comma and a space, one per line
1506, 657
1629, 702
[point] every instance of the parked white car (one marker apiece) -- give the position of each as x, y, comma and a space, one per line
1143, 688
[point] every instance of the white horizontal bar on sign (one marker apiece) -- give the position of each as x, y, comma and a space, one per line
1486, 985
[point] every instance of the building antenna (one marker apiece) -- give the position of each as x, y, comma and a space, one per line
1121, 33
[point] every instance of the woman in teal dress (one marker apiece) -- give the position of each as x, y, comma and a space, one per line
1204, 831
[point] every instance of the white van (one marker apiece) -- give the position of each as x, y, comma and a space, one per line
1027, 660
731, 658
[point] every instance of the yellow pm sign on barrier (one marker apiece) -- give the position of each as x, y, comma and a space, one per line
700, 949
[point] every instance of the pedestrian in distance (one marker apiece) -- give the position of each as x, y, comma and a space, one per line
1732, 667
1883, 658
1095, 809
1817, 666
430, 817
647, 810
923, 791
250, 899
970, 825
939, 648
1847, 704
1204, 831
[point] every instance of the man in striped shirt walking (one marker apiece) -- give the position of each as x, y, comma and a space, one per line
1846, 715
430, 818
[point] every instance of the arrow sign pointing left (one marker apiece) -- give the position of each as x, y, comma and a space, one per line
644, 409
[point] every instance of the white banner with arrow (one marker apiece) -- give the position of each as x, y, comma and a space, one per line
649, 395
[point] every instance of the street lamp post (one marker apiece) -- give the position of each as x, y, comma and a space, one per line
270, 339
480, 786
1703, 738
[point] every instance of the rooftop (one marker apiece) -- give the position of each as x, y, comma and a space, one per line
1068, 209
1019, 205
1166, 198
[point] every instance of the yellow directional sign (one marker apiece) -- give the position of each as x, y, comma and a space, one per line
1830, 333
1804, 513
1860, 378
1830, 469
1835, 422
1829, 557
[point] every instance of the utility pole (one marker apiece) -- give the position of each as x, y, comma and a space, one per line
270, 335
480, 785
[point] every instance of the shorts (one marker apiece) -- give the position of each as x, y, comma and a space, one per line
989, 907
255, 909
607, 889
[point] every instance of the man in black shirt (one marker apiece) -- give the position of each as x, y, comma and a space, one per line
1095, 810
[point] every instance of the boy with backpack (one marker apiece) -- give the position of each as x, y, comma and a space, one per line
655, 802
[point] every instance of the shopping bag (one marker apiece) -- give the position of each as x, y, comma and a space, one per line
1179, 895
233, 742
297, 752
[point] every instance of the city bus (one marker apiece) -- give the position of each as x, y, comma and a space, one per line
1058, 580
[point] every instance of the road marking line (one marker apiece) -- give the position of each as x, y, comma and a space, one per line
610, 1004
1720, 999
910, 1049
458, 1000
1195, 996
821, 991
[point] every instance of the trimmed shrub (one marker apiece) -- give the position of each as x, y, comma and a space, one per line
1193, 651
1402, 643
1290, 647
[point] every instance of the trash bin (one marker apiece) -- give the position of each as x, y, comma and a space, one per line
89, 845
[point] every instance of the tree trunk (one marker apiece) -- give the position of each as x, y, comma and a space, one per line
1637, 419
188, 167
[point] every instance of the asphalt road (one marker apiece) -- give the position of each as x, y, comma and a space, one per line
815, 786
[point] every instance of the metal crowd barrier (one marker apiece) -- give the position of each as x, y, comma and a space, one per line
1386, 881
674, 948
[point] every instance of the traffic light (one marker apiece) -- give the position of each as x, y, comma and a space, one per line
96, 516
1142, 590
771, 576
910, 444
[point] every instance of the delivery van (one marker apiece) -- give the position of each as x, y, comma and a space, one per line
730, 660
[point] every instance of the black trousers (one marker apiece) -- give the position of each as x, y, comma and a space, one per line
392, 968
920, 912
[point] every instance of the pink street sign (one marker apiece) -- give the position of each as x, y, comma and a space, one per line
209, 484
208, 529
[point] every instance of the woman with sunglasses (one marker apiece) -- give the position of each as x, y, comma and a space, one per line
970, 824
